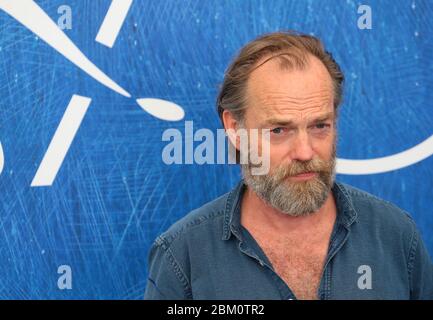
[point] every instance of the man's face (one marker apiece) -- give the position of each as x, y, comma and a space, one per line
297, 107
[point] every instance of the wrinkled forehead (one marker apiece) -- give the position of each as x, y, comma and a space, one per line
272, 89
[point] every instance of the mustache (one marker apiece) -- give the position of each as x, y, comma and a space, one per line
299, 167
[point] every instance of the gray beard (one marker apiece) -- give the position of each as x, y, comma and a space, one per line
296, 199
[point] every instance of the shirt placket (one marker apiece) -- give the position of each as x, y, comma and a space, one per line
285, 292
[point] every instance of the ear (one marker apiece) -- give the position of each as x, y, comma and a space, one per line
231, 126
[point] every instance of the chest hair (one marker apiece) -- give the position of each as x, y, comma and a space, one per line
298, 262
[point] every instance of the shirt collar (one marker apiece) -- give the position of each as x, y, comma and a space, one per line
346, 212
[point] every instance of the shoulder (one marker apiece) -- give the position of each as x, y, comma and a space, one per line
377, 212
203, 221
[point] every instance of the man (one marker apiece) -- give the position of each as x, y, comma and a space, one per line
294, 232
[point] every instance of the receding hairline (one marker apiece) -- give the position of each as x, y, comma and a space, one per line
287, 61
306, 64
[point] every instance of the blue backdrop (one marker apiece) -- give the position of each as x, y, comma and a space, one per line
113, 194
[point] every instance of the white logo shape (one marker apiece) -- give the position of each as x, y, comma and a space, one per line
2, 161
389, 163
28, 13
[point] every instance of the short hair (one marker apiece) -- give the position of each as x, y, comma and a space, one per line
292, 48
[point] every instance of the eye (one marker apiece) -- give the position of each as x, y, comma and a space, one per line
322, 126
277, 130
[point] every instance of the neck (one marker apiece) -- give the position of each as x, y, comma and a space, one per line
257, 214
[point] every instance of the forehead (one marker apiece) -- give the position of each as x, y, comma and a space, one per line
276, 92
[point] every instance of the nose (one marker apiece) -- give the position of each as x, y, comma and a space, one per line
302, 149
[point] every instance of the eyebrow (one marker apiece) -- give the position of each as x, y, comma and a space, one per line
290, 123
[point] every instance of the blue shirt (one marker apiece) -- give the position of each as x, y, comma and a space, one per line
375, 252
